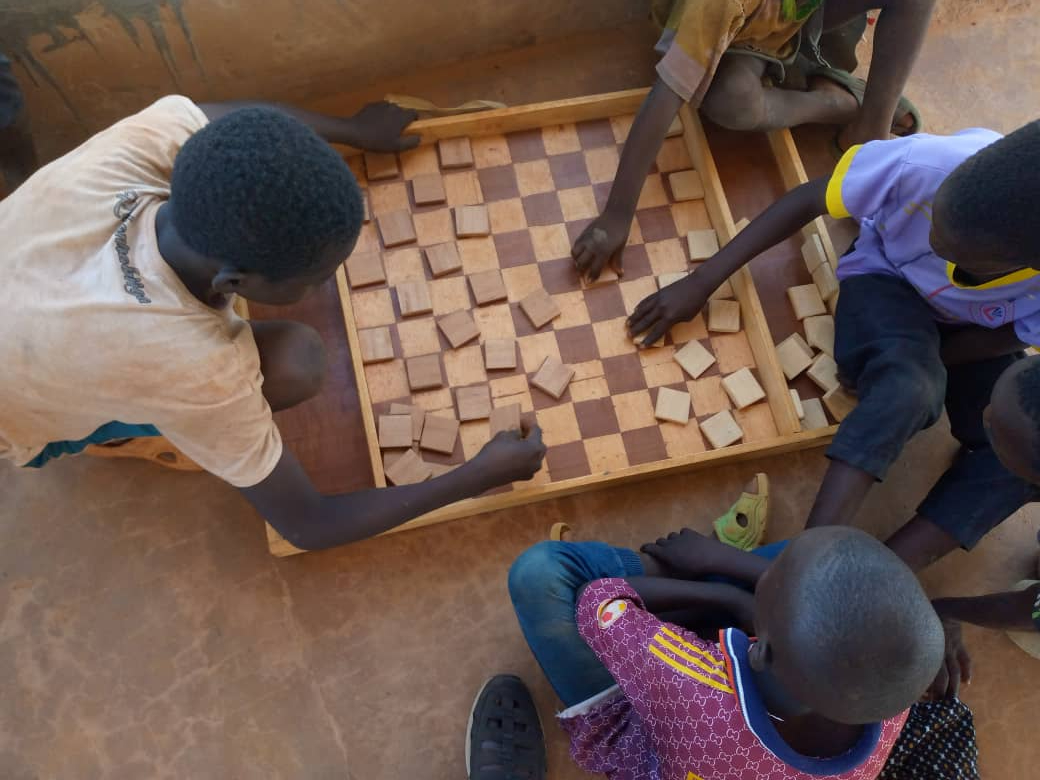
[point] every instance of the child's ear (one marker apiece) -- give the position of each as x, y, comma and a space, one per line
229, 281
760, 656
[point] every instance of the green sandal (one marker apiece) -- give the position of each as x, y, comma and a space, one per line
744, 525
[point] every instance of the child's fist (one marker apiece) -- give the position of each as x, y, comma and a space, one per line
512, 456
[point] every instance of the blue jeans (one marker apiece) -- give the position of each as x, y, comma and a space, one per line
544, 583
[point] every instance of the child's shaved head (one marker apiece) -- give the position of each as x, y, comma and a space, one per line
1013, 419
848, 630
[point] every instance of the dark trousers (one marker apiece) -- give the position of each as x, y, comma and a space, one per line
887, 346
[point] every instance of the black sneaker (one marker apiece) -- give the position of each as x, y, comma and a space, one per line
505, 734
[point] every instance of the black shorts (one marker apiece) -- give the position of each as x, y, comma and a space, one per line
11, 99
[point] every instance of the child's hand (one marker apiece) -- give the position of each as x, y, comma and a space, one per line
601, 242
378, 127
690, 555
512, 456
678, 302
956, 666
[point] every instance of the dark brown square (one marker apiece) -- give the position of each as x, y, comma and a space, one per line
637, 263
624, 374
605, 302
498, 183
526, 145
568, 170
543, 209
577, 344
596, 133
596, 418
644, 445
521, 322
656, 224
559, 276
567, 461
514, 248
576, 228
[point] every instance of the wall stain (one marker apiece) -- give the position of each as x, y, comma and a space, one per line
20, 21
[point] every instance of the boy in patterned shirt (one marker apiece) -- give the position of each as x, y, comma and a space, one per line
846, 642
938, 298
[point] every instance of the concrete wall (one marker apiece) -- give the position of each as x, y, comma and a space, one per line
86, 63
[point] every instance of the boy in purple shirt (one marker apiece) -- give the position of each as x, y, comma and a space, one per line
939, 295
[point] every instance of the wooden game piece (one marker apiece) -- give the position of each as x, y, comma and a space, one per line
424, 372
725, 290
413, 297
365, 268
439, 434
472, 221
702, 244
380, 166
675, 128
408, 469
455, 152
832, 304
505, 418
499, 354
474, 403
815, 417
440, 469
540, 307
443, 259
428, 189
672, 406
839, 402
819, 332
458, 328
417, 413
825, 280
376, 345
487, 286
395, 430
721, 430
553, 377
742, 223
813, 254
742, 388
824, 372
606, 276
396, 228
797, 401
686, 185
794, 354
666, 279
723, 316
694, 359
806, 301
366, 207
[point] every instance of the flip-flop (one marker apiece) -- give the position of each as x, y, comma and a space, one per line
506, 741
744, 525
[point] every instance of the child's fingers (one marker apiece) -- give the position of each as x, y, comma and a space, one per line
408, 142
964, 658
656, 333
644, 307
638, 323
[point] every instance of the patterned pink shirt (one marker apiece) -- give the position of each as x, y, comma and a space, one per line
686, 709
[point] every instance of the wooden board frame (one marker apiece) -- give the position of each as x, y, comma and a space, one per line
500, 121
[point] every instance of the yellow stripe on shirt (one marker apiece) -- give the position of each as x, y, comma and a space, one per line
1014, 277
835, 203
707, 656
687, 657
688, 671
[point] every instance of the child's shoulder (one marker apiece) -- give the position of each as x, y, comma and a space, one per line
944, 152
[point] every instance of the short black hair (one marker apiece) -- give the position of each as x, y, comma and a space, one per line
261, 191
1027, 385
993, 194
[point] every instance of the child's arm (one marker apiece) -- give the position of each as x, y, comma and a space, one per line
289, 501
974, 343
377, 127
660, 594
690, 555
604, 239
681, 301
1009, 611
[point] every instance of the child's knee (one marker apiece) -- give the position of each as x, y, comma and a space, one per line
916, 392
735, 101
534, 569
292, 360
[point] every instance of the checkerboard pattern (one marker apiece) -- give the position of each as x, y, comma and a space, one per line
541, 188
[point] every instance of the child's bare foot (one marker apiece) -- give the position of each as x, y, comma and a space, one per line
602, 242
843, 100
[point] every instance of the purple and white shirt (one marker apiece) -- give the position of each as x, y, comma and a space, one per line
686, 709
888, 188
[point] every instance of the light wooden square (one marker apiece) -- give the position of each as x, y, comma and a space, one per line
742, 388
505, 418
495, 321
707, 396
633, 292
437, 400
578, 203
464, 366
521, 281
561, 139
536, 348
652, 195
663, 374
824, 372
672, 406
674, 155
395, 430
372, 308
379, 166
404, 265
434, 227
815, 417
449, 294
573, 308
826, 281
724, 290
458, 327
622, 125
368, 240
674, 129
819, 332
385, 198
474, 435
694, 358
721, 430
551, 242
408, 469
664, 280
478, 254
553, 377
794, 354
439, 434
540, 308
797, 401
633, 410
686, 185
839, 403
507, 215
756, 422
471, 221
733, 351
418, 161
559, 425
702, 244
499, 354
588, 389
690, 215
424, 372
428, 189
455, 152
386, 381
606, 453
681, 441
723, 316
417, 413
507, 386
813, 254
612, 337
602, 164
396, 228
487, 286
365, 269
490, 151
463, 188
443, 258
692, 330
413, 298
533, 177
806, 301
474, 403
376, 345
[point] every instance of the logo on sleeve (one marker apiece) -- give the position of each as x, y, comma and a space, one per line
609, 612
996, 313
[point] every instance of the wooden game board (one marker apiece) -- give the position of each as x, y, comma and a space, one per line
543, 172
